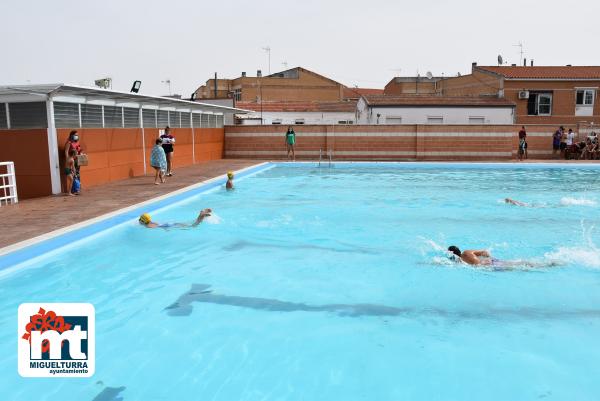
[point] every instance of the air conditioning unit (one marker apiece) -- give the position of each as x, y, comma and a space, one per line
523, 94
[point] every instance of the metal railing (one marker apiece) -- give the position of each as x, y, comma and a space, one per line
8, 184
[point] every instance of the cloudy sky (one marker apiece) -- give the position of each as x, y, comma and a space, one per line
355, 42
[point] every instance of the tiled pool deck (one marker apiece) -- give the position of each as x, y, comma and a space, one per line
33, 217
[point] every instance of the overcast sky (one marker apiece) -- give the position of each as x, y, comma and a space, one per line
362, 43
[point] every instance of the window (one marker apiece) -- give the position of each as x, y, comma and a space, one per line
174, 119
237, 95
346, 122
27, 115
113, 117
163, 118
91, 116
149, 118
276, 121
585, 97
131, 117
539, 104
185, 120
299, 121
196, 120
435, 120
66, 115
3, 121
393, 120
205, 123
476, 120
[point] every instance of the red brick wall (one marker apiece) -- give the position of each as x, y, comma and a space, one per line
390, 142
28, 149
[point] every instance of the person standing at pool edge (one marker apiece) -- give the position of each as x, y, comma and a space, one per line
167, 143
522, 143
158, 161
290, 141
556, 141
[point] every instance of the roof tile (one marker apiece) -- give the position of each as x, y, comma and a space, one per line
545, 72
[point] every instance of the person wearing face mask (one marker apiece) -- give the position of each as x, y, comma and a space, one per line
73, 145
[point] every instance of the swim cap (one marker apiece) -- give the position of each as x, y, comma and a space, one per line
145, 218
230, 174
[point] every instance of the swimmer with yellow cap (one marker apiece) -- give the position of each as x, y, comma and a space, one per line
229, 184
147, 222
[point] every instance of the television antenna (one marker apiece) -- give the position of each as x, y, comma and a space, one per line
285, 64
268, 50
521, 52
500, 59
168, 83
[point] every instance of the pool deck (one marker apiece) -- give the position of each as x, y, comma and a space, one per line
32, 217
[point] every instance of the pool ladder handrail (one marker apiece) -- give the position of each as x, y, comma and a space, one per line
330, 156
320, 155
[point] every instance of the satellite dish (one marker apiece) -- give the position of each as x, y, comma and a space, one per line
429, 75
500, 60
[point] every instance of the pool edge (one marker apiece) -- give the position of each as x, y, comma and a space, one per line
21, 251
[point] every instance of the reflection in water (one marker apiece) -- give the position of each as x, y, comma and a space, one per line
242, 244
110, 394
202, 293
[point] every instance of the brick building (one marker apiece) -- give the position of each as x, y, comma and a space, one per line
295, 84
297, 113
560, 95
411, 86
434, 109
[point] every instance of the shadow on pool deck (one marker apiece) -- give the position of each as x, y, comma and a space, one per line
33, 217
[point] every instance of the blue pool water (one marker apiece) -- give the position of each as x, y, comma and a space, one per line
332, 284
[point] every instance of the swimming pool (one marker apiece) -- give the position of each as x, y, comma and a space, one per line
332, 284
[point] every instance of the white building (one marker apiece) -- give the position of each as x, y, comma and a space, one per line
431, 109
295, 112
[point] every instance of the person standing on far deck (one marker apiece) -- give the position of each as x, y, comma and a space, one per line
522, 143
290, 141
168, 141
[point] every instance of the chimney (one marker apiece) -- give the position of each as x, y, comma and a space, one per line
216, 85
258, 73
569, 65
243, 74
513, 65
524, 62
532, 62
473, 65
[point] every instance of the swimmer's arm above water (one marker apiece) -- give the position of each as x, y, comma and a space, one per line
203, 214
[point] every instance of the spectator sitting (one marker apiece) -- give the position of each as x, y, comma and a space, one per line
590, 150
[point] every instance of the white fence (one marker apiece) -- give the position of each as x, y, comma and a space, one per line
8, 184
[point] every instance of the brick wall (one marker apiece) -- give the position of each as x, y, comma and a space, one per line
390, 142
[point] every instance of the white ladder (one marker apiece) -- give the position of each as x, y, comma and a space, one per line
8, 185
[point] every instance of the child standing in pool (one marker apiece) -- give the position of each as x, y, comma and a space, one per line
229, 184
